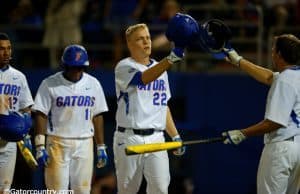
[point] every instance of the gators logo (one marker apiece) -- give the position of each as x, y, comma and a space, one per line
78, 56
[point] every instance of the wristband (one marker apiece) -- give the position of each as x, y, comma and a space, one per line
39, 140
101, 146
176, 137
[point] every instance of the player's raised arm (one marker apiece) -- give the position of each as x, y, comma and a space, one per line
153, 73
214, 36
182, 30
259, 73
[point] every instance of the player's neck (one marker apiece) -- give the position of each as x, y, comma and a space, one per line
73, 77
142, 60
282, 67
3, 66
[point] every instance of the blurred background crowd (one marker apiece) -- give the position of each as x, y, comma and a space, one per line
44, 27
40, 29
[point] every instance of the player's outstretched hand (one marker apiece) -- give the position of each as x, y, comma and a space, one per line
27, 142
176, 55
101, 156
179, 151
232, 56
42, 156
233, 137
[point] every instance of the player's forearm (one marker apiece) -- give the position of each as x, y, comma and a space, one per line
261, 128
99, 129
170, 125
154, 72
40, 123
259, 73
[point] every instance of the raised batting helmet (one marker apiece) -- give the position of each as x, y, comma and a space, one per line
182, 30
214, 35
13, 127
75, 56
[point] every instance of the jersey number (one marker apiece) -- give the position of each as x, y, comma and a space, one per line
12, 101
160, 99
87, 114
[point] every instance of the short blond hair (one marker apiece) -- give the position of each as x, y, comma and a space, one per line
131, 29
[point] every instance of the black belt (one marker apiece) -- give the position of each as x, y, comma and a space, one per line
290, 139
138, 131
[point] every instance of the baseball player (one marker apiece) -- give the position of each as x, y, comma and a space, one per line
69, 107
14, 96
142, 90
279, 167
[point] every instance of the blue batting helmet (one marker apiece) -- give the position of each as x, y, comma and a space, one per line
182, 30
213, 36
75, 56
14, 127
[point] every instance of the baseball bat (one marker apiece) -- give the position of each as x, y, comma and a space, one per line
27, 155
155, 147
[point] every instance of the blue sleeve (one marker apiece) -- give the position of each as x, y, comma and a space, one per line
137, 79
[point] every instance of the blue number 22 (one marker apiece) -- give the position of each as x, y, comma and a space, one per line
160, 99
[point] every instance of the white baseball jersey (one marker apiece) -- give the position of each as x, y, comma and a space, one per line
279, 166
141, 106
283, 105
13, 84
70, 106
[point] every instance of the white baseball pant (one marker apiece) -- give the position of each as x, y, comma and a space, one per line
130, 169
279, 168
8, 153
70, 162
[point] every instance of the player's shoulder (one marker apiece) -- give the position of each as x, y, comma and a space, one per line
291, 76
17, 75
125, 62
290, 73
54, 76
16, 71
53, 80
89, 77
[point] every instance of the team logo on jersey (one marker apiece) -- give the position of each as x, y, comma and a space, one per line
71, 101
10, 89
78, 56
156, 85
131, 70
